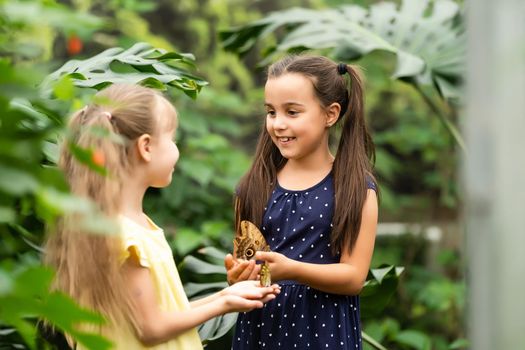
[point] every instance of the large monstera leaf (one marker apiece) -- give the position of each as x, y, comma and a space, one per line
426, 36
141, 64
204, 274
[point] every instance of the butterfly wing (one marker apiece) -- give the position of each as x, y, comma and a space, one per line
248, 243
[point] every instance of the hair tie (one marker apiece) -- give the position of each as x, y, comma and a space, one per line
342, 68
108, 115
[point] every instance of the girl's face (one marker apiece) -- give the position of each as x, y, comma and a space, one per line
164, 151
295, 120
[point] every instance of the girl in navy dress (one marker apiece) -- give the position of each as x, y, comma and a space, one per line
317, 211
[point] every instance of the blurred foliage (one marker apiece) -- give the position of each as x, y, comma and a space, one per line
416, 154
31, 192
430, 299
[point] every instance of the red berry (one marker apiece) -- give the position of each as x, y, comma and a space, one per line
74, 45
98, 158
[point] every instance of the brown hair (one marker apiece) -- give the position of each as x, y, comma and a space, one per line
87, 264
352, 168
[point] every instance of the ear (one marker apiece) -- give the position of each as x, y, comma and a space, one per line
144, 147
332, 114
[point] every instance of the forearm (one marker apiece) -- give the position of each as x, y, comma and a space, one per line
339, 278
205, 300
168, 325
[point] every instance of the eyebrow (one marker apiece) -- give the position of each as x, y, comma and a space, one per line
291, 103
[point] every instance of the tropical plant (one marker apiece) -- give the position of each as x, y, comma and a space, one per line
426, 37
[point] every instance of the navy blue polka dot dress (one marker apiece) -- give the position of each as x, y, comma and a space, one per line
298, 224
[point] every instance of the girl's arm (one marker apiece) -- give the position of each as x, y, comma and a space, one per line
157, 326
346, 277
243, 289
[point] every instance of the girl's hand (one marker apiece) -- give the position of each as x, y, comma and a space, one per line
280, 265
235, 303
252, 290
247, 295
240, 270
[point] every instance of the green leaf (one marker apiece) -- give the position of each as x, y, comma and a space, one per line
85, 156
195, 265
7, 214
33, 282
213, 254
50, 13
16, 181
52, 202
459, 344
426, 37
92, 341
217, 327
64, 89
414, 339
199, 170
51, 151
374, 343
187, 240
140, 64
6, 283
64, 313
378, 289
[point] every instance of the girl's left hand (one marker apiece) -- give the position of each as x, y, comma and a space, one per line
280, 265
252, 290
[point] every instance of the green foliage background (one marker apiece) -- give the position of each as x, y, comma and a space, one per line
416, 157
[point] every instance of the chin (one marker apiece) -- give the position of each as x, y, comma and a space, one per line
162, 184
287, 155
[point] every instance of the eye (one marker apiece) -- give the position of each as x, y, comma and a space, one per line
249, 252
292, 112
270, 113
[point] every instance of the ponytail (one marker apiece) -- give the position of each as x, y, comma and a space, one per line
352, 166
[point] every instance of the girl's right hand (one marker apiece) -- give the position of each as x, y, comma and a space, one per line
248, 295
240, 270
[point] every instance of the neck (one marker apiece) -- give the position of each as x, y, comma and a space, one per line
133, 191
322, 160
299, 174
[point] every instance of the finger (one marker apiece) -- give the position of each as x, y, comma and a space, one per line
254, 304
268, 297
237, 270
255, 272
232, 275
247, 272
228, 262
266, 256
270, 290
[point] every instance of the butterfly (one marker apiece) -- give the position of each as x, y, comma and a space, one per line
247, 244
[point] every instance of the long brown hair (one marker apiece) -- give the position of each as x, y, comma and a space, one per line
87, 264
352, 167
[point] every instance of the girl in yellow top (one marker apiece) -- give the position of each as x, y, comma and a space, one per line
131, 278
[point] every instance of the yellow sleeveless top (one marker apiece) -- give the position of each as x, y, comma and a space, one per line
151, 249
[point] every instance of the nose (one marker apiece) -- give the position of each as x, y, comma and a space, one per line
279, 122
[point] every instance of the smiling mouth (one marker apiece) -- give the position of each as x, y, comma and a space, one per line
285, 139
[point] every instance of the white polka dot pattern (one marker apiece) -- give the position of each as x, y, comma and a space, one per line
298, 225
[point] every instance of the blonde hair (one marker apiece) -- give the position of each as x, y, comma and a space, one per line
87, 264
